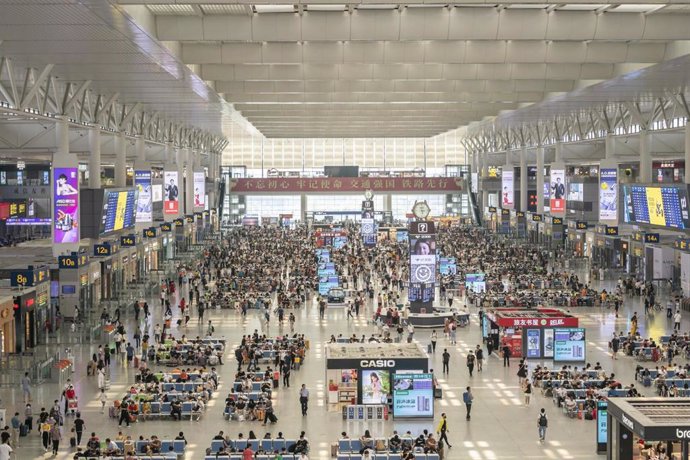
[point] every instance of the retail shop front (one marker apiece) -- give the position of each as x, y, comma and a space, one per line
33, 318
576, 242
535, 228
150, 249
518, 224
637, 427
7, 328
74, 284
377, 374
610, 251
553, 231
492, 218
542, 333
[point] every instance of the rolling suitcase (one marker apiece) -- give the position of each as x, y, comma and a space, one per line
647, 381
23, 430
271, 417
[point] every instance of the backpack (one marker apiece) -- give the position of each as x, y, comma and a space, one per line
543, 421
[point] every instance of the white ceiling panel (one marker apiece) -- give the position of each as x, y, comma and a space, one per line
620, 26
277, 27
606, 52
281, 53
375, 25
239, 53
424, 24
522, 24
369, 52
324, 52
571, 25
230, 27
446, 51
473, 23
408, 52
317, 26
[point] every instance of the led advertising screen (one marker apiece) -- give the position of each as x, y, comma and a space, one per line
199, 189
323, 255
142, 181
557, 201
66, 205
656, 205
576, 192
375, 387
368, 232
339, 242
119, 210
508, 189
172, 192
533, 343
327, 282
422, 259
401, 236
608, 194
475, 182
475, 282
548, 343
602, 422
569, 344
326, 269
157, 193
447, 266
413, 395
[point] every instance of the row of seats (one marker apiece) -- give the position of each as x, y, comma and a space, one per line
582, 393
653, 373
159, 409
172, 456
387, 456
256, 386
186, 386
178, 446
585, 383
257, 457
254, 395
268, 445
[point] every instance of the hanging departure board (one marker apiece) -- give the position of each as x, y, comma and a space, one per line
656, 205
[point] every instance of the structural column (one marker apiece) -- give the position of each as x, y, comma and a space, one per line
558, 152
95, 157
523, 180
66, 216
120, 160
303, 207
687, 151
608, 167
645, 157
540, 180
189, 182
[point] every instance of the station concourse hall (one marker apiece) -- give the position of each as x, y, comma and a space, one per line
352, 231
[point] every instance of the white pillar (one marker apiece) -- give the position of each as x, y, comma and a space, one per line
95, 157
610, 146
120, 160
687, 152
558, 152
189, 182
140, 153
66, 241
540, 180
523, 179
388, 202
303, 207
645, 157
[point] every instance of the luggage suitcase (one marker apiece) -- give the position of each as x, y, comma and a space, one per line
438, 393
112, 413
647, 381
428, 348
136, 361
334, 449
23, 430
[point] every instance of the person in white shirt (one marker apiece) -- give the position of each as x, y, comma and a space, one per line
5, 451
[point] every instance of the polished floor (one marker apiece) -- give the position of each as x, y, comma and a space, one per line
501, 426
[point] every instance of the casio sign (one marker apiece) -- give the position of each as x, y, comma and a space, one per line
377, 363
629, 423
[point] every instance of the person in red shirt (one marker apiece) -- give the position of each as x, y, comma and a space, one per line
248, 453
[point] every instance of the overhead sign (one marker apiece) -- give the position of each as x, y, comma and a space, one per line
347, 184
537, 218
611, 231
22, 278
178, 222
150, 232
102, 250
128, 241
166, 227
580, 225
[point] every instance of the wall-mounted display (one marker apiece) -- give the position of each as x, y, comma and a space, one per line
508, 189
608, 194
142, 181
172, 192
557, 201
66, 205
119, 210
199, 189
661, 206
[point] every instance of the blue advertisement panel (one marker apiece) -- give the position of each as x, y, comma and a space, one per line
142, 182
413, 395
533, 343
447, 266
475, 282
569, 344
608, 194
327, 282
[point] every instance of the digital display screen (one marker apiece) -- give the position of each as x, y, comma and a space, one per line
548, 343
66, 205
376, 387
576, 192
423, 258
69, 289
569, 344
533, 343
508, 190
326, 269
602, 422
172, 192
323, 255
368, 231
656, 205
199, 189
447, 266
119, 210
557, 201
339, 242
327, 282
475, 282
417, 294
413, 395
401, 236
157, 193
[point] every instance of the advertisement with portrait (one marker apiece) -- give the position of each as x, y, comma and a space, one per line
172, 192
422, 237
508, 189
199, 189
608, 194
66, 205
375, 386
557, 199
142, 181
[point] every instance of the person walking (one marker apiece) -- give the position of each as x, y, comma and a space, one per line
615, 345
676, 321
442, 431
304, 399
55, 436
468, 398
124, 415
470, 362
527, 392
434, 339
26, 387
286, 374
479, 354
79, 426
506, 355
15, 423
446, 360
542, 424
45, 428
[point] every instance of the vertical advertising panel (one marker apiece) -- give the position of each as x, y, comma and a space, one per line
602, 426
422, 261
66, 205
368, 224
171, 204
475, 182
548, 343
533, 343
557, 200
142, 181
685, 271
608, 194
508, 188
199, 189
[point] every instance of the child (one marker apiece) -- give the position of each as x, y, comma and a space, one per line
104, 399
72, 438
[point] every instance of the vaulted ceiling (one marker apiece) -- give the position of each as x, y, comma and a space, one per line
396, 70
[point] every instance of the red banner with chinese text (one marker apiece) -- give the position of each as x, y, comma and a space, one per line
347, 184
